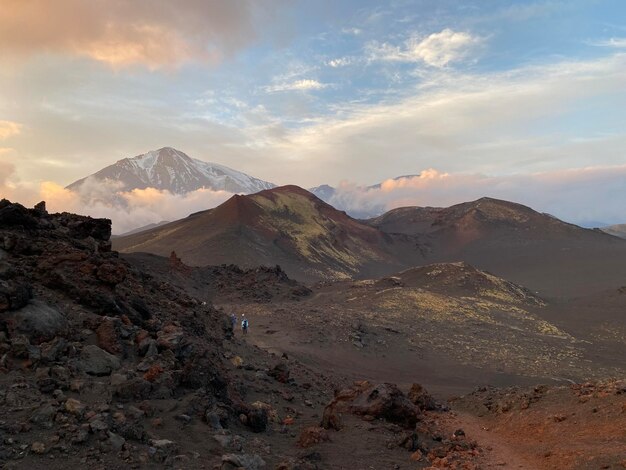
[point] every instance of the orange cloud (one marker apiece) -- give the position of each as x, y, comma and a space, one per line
154, 33
582, 195
8, 129
131, 209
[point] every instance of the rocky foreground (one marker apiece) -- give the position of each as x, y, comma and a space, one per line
105, 366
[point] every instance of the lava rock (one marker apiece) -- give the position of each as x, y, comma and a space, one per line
280, 372
39, 321
96, 361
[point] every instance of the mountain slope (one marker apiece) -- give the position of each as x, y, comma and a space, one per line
618, 230
288, 226
515, 242
172, 170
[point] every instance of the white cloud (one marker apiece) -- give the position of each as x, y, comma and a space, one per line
340, 62
297, 85
352, 31
583, 195
131, 209
520, 119
437, 50
127, 209
617, 43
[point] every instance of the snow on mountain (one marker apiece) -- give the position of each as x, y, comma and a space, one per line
324, 192
172, 170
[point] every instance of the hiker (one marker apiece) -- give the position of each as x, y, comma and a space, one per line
233, 320
244, 324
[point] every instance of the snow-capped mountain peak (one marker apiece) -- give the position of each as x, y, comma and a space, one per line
172, 170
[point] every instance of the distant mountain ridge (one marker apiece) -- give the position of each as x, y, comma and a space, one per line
286, 225
515, 242
312, 241
172, 170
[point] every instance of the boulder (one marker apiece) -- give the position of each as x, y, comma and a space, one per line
312, 435
38, 321
388, 402
257, 419
421, 398
44, 416
112, 273
16, 215
382, 401
239, 461
96, 361
170, 337
163, 449
53, 350
14, 296
134, 388
109, 336
83, 227
280, 372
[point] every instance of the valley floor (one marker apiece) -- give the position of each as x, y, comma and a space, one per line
518, 425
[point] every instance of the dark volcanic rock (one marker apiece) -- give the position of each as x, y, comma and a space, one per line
382, 401
15, 215
280, 372
421, 398
257, 419
38, 321
96, 361
388, 402
14, 296
73, 313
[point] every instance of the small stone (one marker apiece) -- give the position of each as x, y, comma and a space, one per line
185, 419
38, 448
213, 419
223, 440
236, 461
75, 407
98, 425
117, 442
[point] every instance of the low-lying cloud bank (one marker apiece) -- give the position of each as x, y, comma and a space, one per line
586, 196
127, 209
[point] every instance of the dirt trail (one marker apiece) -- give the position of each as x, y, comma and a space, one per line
497, 452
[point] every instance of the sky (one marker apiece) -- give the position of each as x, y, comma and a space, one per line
522, 100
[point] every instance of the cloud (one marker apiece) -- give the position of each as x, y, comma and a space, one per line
529, 119
617, 43
585, 195
128, 209
351, 31
437, 50
297, 85
10, 185
340, 62
8, 129
154, 33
